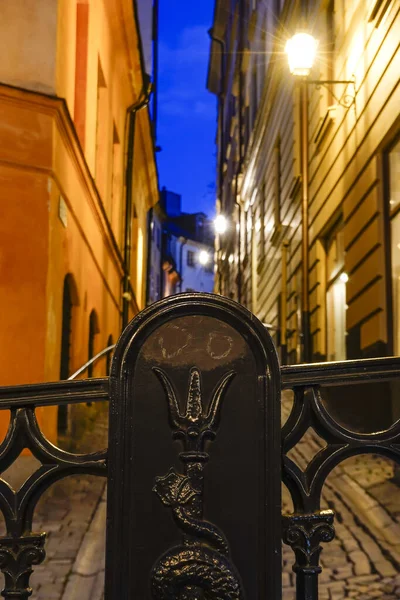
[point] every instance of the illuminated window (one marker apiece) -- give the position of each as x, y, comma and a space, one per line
336, 280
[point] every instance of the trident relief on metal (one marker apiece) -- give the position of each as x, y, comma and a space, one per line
200, 568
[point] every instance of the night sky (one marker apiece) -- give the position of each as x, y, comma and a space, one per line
187, 110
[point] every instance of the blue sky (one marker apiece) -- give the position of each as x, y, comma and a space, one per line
187, 111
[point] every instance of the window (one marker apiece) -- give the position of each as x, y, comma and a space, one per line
254, 96
262, 221
336, 295
102, 137
116, 196
69, 300
81, 54
66, 329
277, 183
393, 192
190, 258
247, 232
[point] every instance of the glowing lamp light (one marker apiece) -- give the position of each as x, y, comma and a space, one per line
301, 50
344, 277
220, 224
204, 258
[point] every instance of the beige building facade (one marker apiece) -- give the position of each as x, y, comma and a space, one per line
309, 174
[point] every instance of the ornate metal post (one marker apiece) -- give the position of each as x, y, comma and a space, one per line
304, 533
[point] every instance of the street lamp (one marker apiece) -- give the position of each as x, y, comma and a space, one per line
204, 258
220, 224
301, 50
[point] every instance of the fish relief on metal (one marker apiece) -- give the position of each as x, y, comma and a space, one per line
200, 568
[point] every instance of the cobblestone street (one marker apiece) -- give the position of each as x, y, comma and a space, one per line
363, 561
72, 513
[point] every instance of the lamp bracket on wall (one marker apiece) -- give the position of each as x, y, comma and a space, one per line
346, 99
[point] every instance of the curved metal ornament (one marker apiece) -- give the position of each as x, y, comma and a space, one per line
21, 549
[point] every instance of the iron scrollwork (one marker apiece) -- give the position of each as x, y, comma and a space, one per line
308, 527
21, 548
201, 566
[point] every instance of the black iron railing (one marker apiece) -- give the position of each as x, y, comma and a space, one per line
305, 530
309, 526
23, 548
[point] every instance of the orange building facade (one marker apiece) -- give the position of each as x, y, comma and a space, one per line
72, 70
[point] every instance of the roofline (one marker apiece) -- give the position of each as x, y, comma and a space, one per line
217, 24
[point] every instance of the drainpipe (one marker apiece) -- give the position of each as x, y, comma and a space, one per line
304, 214
304, 171
149, 249
221, 110
131, 115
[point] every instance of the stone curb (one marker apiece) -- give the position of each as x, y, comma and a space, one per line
86, 580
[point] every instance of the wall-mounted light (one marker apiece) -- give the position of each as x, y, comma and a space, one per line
301, 50
204, 257
344, 277
220, 224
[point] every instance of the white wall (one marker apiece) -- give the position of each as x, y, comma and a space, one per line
196, 278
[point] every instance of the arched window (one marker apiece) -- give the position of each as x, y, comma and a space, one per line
81, 63
109, 355
69, 300
93, 330
66, 330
